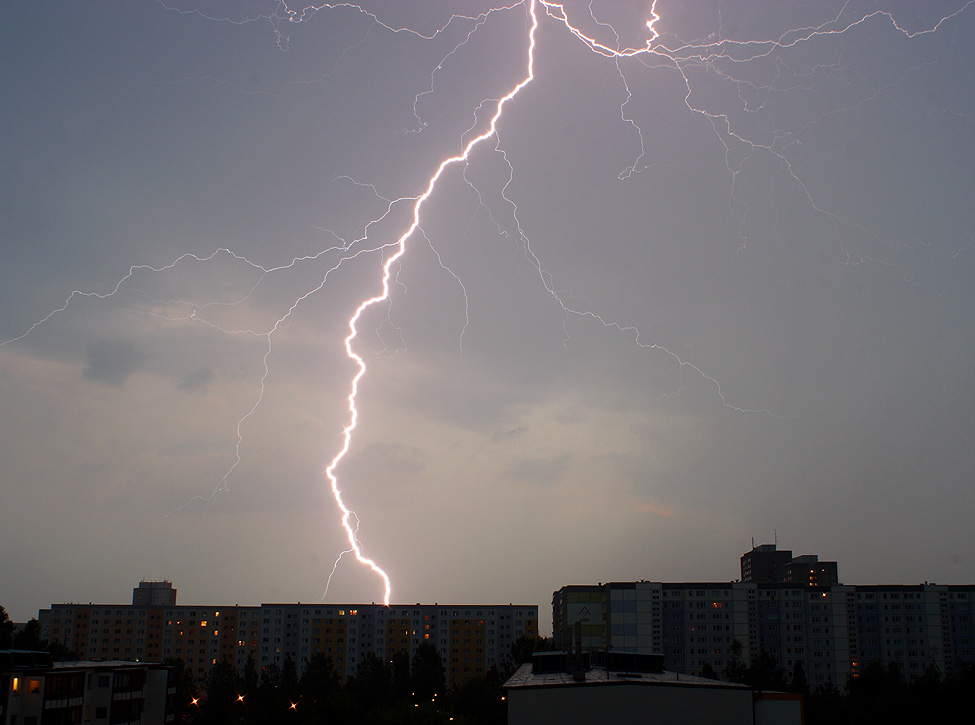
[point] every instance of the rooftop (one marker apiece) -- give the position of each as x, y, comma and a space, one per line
524, 677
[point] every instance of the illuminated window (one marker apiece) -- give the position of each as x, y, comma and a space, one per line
15, 686
33, 687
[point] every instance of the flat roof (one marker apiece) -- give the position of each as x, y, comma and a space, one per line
524, 677
108, 663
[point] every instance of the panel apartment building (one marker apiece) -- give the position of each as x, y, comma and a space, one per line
832, 630
34, 689
470, 638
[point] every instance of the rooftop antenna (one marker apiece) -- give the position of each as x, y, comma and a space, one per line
775, 533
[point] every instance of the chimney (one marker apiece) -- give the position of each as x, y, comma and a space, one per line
578, 667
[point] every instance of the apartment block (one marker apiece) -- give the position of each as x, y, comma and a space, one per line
832, 631
471, 638
154, 593
766, 564
34, 689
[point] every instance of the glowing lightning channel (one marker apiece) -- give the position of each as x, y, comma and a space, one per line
347, 513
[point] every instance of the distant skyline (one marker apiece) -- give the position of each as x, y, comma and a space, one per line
712, 289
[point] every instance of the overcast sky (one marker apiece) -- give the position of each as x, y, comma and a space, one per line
705, 293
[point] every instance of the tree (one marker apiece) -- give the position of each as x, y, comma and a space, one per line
708, 672
30, 637
318, 686
223, 703
427, 673
372, 681
319, 677
268, 701
827, 705
478, 700
735, 670
289, 680
251, 679
400, 674
521, 652
878, 693
799, 683
60, 653
187, 691
6, 630
930, 681
764, 673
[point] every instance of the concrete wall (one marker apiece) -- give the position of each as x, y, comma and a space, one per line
629, 703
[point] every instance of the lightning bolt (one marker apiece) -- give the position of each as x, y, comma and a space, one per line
347, 514
658, 51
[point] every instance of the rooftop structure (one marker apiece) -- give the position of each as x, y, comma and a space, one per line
628, 688
766, 564
154, 594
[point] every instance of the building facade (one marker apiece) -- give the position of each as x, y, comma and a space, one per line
158, 593
470, 638
34, 689
767, 564
764, 563
810, 571
832, 631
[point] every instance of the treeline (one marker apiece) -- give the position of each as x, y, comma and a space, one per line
879, 693
403, 690
29, 637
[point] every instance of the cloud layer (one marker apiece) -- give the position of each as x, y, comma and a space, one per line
672, 306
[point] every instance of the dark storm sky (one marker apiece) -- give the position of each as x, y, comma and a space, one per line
761, 253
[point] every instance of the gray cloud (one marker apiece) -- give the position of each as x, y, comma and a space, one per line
112, 362
197, 381
539, 471
510, 434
